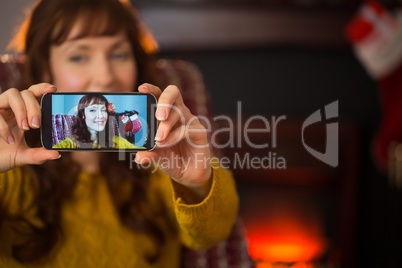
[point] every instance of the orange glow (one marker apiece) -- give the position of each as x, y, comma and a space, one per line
264, 265
287, 229
302, 265
286, 240
279, 265
286, 248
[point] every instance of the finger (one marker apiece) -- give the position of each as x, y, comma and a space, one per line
173, 138
39, 90
170, 97
149, 88
5, 131
12, 98
176, 115
146, 157
32, 107
170, 109
36, 156
195, 135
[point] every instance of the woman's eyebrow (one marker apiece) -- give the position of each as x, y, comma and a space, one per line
81, 46
75, 47
119, 43
95, 106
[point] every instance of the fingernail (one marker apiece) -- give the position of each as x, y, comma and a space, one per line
57, 157
161, 114
25, 125
160, 143
137, 159
35, 122
50, 86
11, 140
144, 87
159, 135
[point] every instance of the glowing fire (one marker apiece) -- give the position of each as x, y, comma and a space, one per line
286, 248
285, 241
276, 265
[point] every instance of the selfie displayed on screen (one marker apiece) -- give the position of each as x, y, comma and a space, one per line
96, 121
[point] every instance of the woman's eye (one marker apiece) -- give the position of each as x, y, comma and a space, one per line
120, 56
77, 58
92, 110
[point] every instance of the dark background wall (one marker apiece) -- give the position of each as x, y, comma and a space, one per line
11, 15
287, 80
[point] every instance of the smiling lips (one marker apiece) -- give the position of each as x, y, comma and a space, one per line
101, 123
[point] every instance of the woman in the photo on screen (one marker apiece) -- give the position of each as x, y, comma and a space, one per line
92, 127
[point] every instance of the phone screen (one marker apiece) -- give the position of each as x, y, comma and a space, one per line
98, 121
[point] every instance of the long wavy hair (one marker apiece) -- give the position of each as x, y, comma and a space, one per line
50, 23
80, 130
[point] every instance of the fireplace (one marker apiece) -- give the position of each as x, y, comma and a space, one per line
304, 214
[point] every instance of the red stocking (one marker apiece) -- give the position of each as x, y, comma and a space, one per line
376, 35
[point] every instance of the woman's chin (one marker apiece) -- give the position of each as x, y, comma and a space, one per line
96, 129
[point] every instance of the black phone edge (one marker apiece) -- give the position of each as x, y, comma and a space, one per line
46, 124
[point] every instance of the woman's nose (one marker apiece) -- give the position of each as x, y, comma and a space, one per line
103, 76
100, 115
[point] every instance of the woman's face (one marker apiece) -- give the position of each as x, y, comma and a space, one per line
96, 117
94, 63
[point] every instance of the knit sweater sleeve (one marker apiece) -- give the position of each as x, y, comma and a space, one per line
204, 224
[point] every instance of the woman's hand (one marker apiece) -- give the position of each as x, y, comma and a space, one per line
20, 111
182, 150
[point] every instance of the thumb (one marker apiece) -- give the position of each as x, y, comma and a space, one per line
146, 157
36, 156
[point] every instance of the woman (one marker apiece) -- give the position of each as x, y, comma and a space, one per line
90, 209
91, 130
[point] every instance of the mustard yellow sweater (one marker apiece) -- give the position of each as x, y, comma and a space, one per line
94, 236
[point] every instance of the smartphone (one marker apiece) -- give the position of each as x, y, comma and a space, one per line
98, 121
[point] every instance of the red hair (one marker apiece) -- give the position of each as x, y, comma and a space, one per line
50, 24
